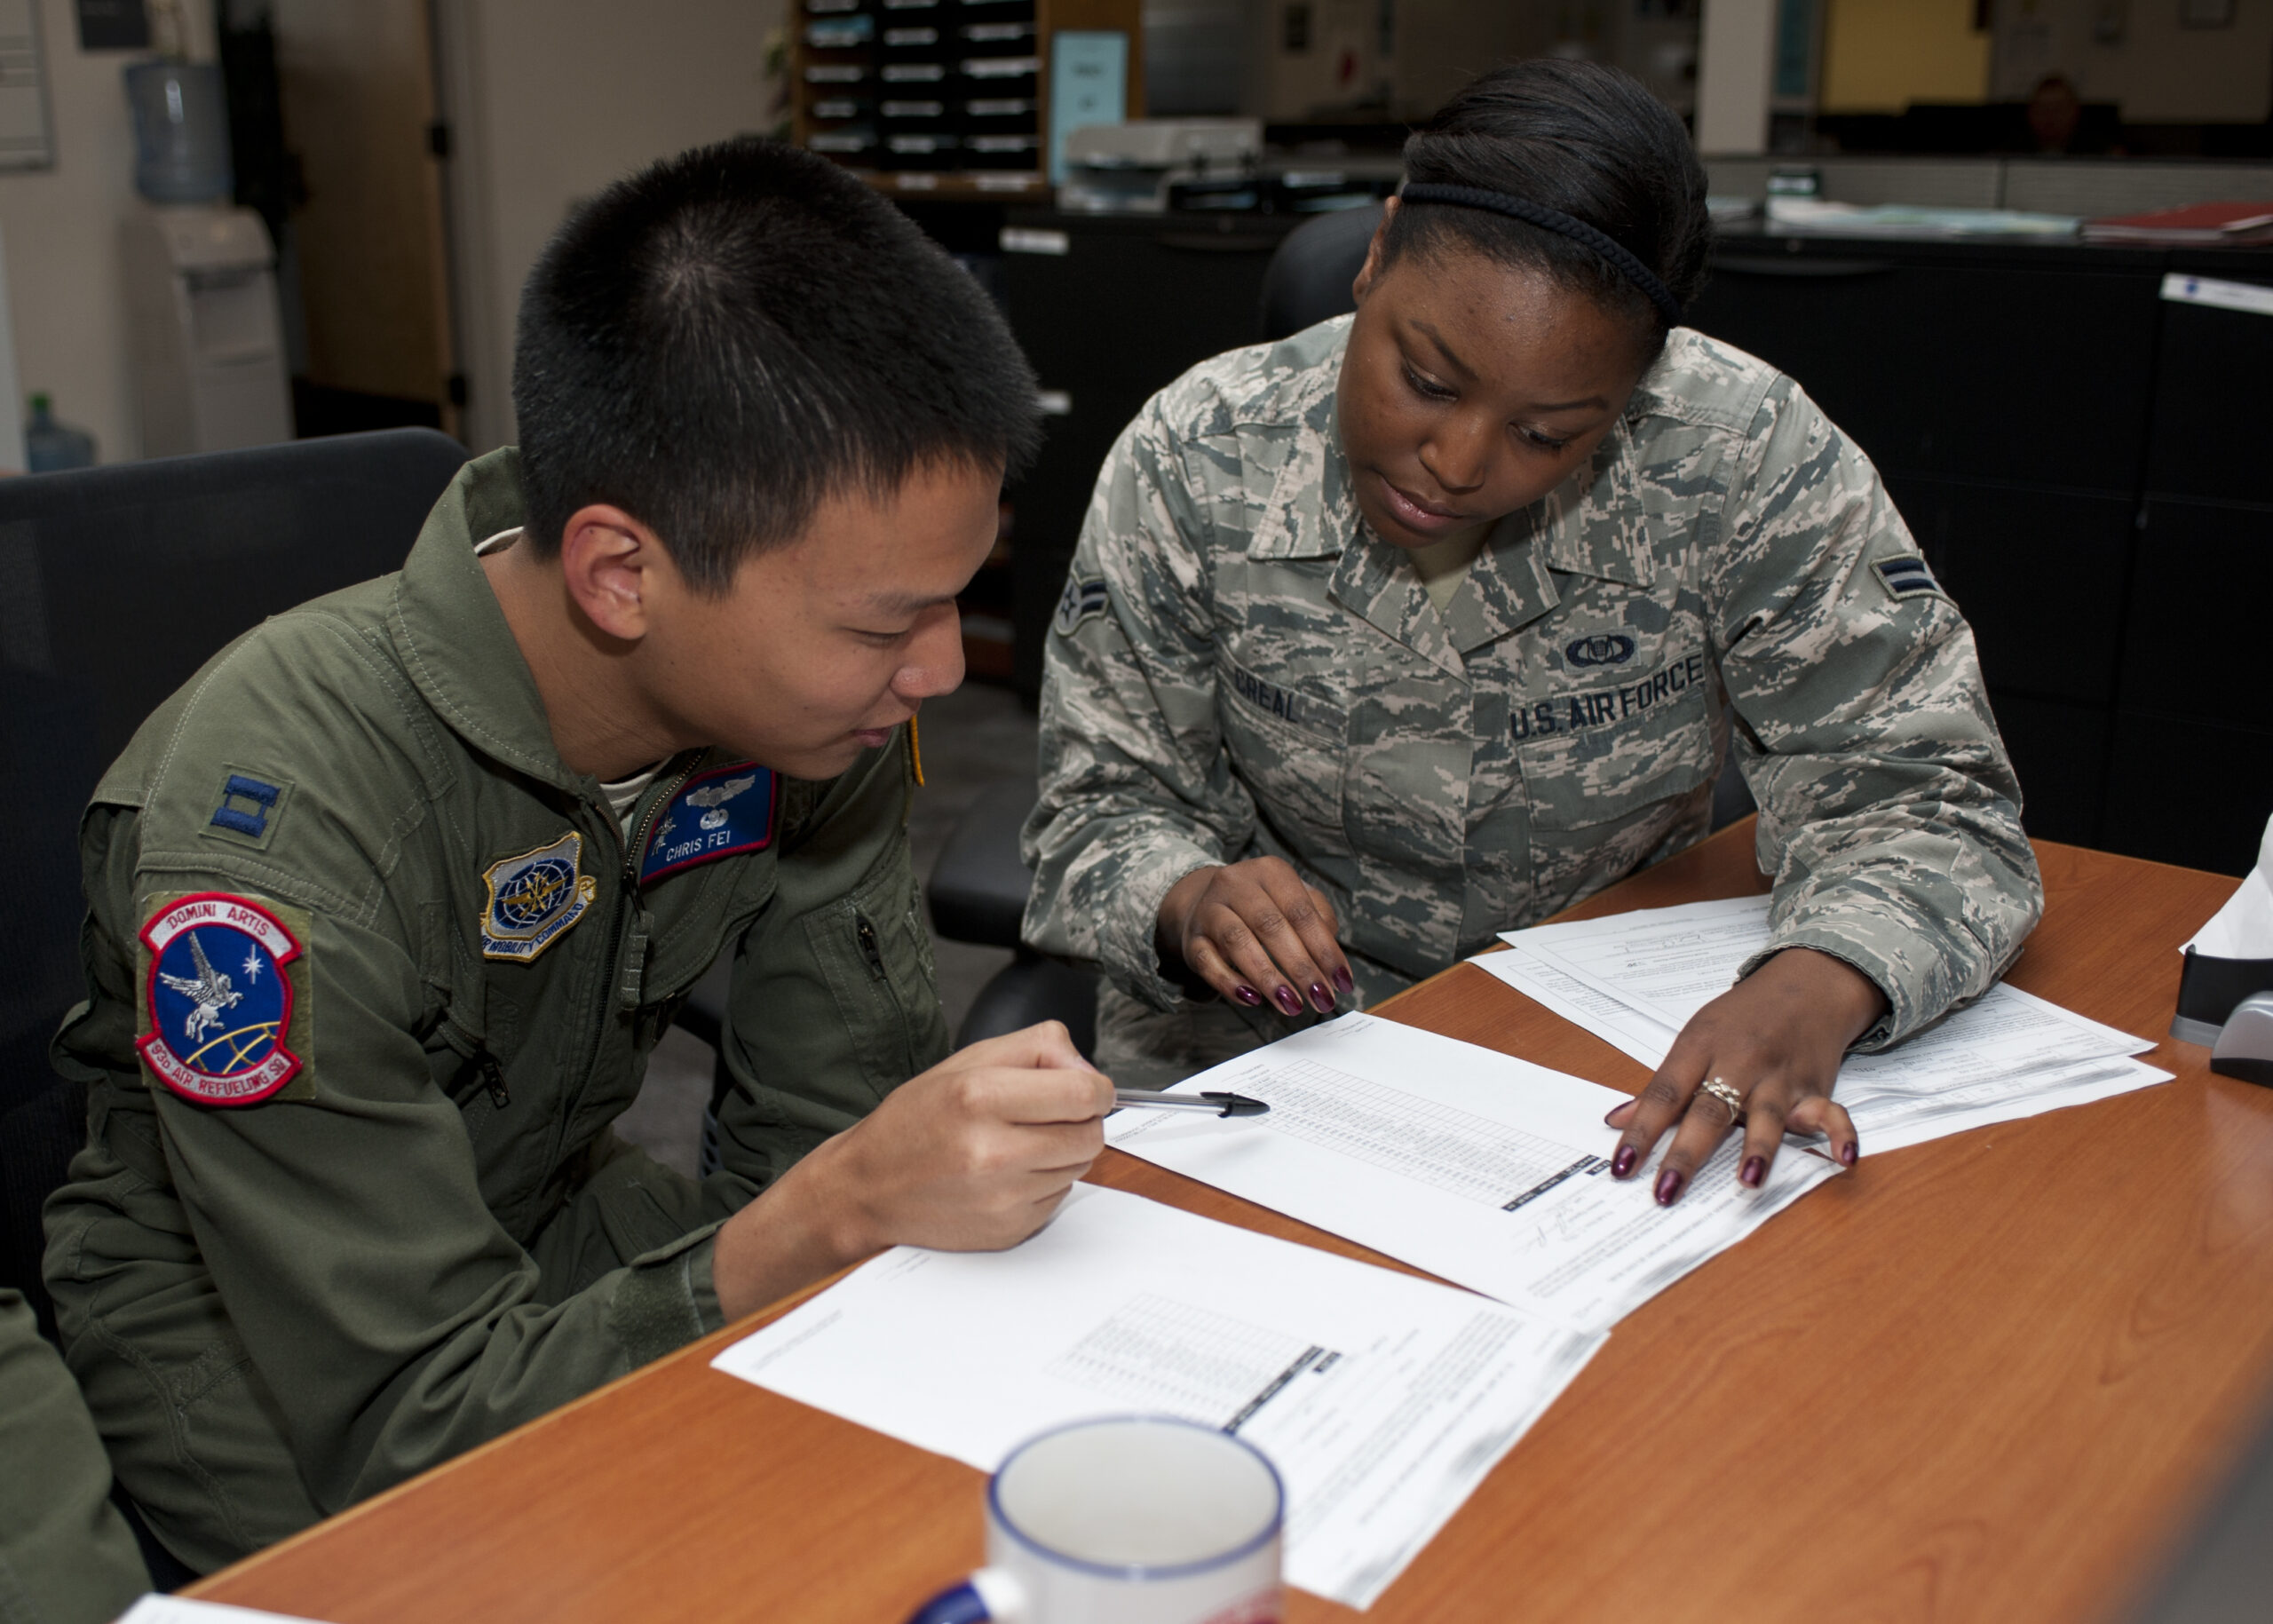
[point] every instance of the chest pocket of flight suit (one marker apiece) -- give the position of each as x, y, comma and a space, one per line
875, 954
1290, 748
1608, 768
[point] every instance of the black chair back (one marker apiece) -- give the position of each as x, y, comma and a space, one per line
115, 584
1309, 277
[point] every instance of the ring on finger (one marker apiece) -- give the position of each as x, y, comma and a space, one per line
1726, 1094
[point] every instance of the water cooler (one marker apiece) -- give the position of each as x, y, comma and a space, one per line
208, 342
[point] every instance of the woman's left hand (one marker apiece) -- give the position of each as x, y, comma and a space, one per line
1776, 1039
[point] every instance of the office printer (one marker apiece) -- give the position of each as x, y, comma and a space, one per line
1127, 168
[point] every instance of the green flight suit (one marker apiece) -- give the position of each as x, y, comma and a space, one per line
66, 1555
427, 1233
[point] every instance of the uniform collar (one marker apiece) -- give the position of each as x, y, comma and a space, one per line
1595, 522
1592, 524
452, 635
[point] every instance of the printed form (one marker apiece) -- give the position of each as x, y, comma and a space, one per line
1487, 1170
1633, 979
1383, 1400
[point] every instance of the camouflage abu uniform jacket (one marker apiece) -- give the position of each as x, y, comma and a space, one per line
1239, 667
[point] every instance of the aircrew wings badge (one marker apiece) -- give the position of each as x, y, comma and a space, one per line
218, 1000
534, 898
715, 814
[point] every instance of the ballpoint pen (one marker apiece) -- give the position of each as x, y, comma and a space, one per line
1216, 1105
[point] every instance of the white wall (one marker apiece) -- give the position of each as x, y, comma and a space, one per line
62, 227
2156, 72
551, 100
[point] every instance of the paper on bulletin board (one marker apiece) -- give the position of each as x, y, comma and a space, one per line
13, 456
1089, 84
27, 137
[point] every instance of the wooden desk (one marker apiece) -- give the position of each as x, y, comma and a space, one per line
1987, 1378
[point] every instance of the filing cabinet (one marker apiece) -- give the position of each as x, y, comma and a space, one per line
2084, 465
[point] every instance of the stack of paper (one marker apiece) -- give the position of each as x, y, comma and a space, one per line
1634, 979
1382, 1400
1473, 1165
1809, 214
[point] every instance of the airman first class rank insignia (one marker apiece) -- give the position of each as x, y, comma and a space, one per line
218, 1000
715, 814
1080, 601
1907, 577
534, 898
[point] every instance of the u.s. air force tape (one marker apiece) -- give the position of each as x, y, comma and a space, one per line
1082, 601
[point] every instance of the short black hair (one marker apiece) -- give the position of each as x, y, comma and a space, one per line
1587, 141
722, 341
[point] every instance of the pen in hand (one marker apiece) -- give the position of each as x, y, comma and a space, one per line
1214, 1104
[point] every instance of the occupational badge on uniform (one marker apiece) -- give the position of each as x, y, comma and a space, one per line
218, 999
1907, 577
1080, 601
1600, 648
718, 814
534, 898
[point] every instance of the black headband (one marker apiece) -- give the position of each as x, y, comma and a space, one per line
1556, 220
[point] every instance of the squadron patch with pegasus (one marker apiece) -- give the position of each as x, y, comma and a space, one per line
717, 814
534, 898
219, 1001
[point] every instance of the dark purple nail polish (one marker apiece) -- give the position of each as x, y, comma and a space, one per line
1755, 1169
1341, 980
1848, 1153
1669, 1184
1246, 995
1288, 1001
1622, 1163
1321, 999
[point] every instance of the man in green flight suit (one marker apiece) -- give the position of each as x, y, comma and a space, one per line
387, 905
66, 1555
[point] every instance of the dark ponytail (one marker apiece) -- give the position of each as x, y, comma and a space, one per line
1581, 140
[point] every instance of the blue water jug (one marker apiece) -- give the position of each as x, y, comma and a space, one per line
51, 447
181, 133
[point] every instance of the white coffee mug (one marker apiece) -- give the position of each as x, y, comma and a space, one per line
1130, 1519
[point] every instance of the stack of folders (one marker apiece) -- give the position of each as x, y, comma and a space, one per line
1634, 980
2228, 224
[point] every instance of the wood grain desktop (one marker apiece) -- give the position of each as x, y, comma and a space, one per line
1992, 1377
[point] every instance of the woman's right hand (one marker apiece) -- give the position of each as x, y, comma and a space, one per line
1256, 934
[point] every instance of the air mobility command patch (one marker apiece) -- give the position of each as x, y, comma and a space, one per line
534, 898
717, 814
220, 1011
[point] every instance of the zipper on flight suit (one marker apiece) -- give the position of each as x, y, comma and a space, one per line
493, 1078
619, 973
866, 934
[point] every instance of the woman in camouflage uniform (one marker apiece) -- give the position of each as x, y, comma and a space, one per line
1423, 624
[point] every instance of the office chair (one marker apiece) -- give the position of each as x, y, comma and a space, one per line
115, 584
977, 894
1309, 277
